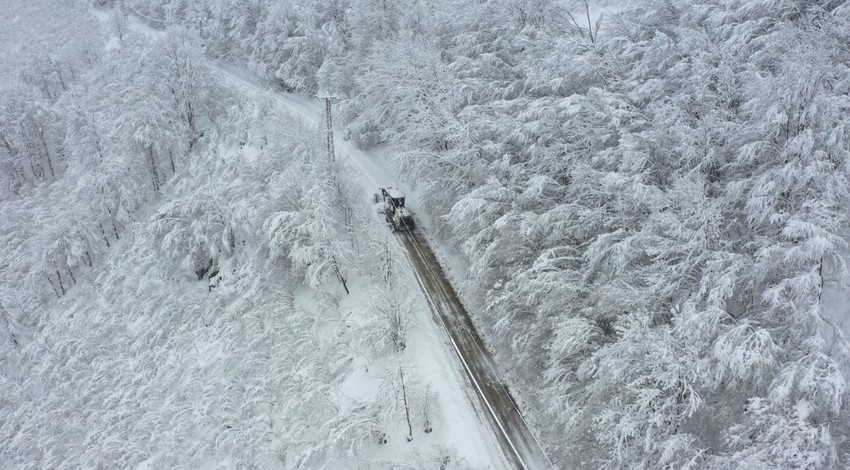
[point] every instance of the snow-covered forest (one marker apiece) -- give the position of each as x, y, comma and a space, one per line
652, 199
172, 295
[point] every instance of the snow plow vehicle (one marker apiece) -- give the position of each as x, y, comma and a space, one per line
397, 215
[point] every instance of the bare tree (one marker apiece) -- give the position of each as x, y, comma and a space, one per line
591, 27
387, 327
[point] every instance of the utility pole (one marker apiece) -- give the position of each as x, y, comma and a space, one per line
329, 124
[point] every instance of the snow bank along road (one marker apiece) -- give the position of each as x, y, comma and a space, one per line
494, 402
515, 437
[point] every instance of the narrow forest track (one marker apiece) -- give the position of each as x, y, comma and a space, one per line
495, 401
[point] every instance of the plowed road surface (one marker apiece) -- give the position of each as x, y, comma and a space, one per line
494, 400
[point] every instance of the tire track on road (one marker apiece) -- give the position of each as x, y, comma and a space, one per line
501, 411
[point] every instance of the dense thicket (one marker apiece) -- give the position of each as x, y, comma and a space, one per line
652, 204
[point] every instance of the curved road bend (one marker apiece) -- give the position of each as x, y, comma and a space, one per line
499, 409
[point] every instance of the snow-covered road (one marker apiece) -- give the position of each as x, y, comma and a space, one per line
505, 418
372, 175
490, 397
511, 442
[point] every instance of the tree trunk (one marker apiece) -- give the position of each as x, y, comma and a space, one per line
53, 285
96, 139
103, 232
154, 170
8, 146
426, 409
339, 275
46, 152
589, 23
9, 325
58, 67
406, 406
61, 284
